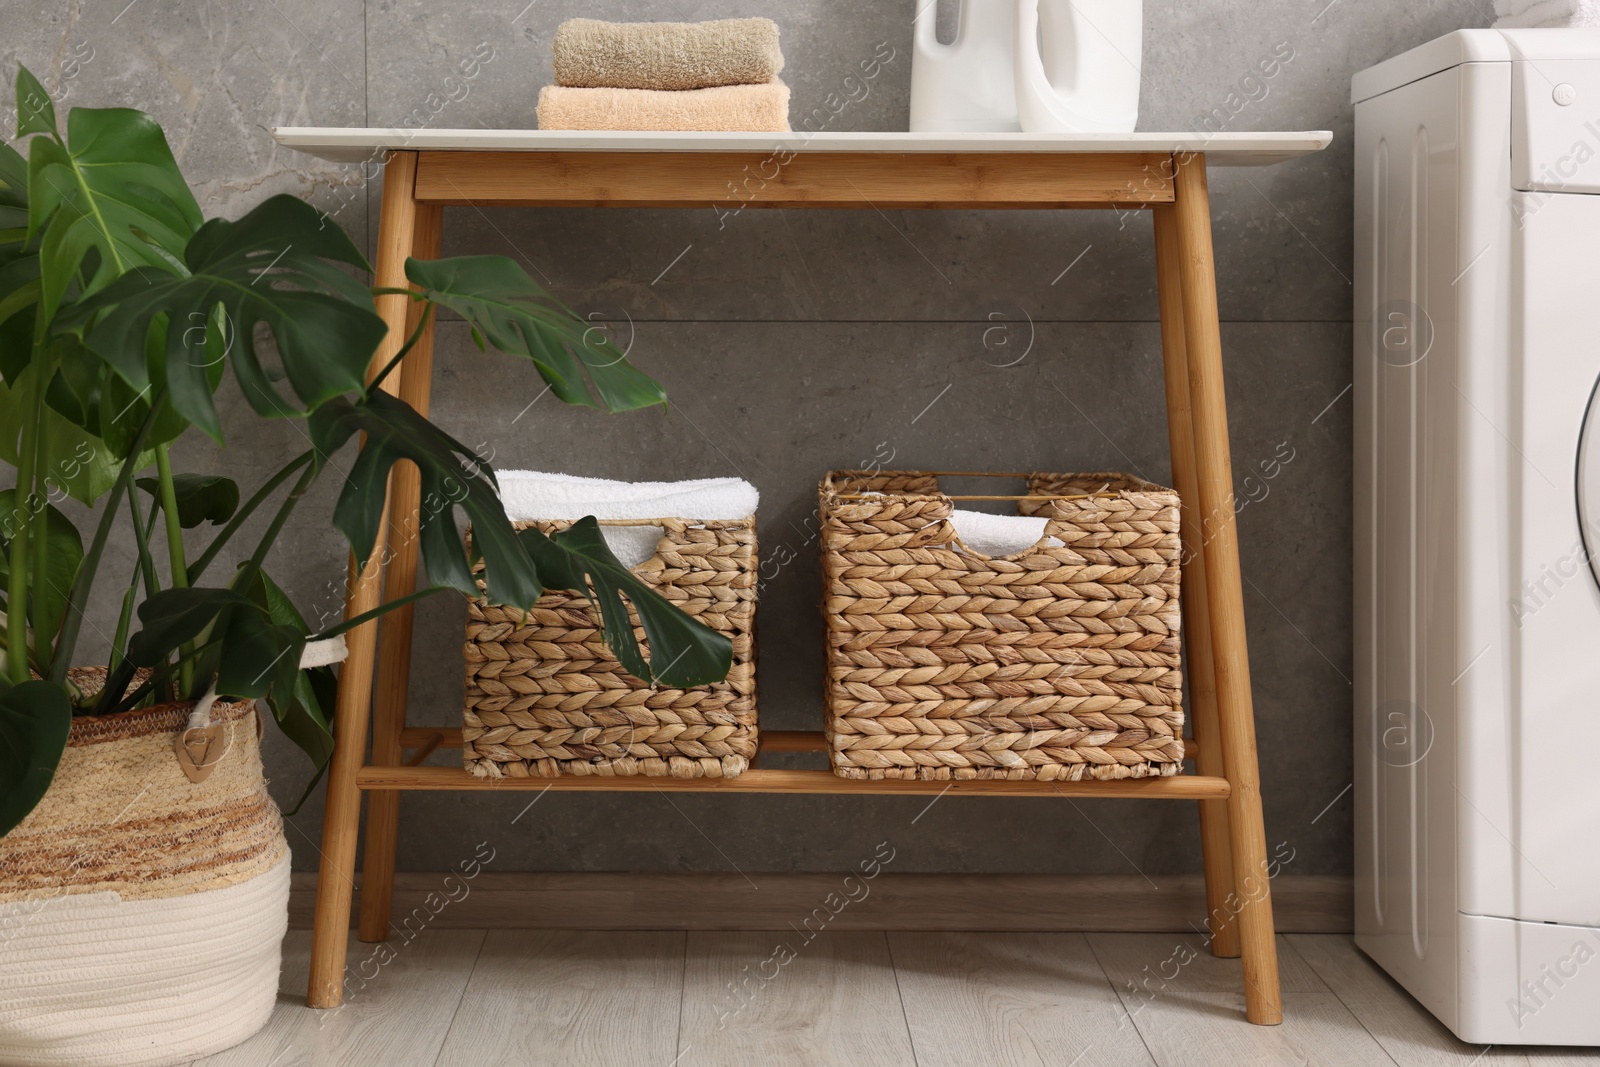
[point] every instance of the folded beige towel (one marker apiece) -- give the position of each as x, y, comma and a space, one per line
726, 107
666, 55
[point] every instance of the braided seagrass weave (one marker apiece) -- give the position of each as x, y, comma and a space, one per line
120, 815
1059, 663
545, 696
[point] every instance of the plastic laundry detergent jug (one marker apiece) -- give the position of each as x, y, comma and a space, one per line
966, 85
1077, 65
1044, 66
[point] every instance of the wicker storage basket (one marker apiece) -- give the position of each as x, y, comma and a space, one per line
142, 913
1058, 663
546, 697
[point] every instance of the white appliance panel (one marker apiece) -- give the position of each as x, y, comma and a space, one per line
1477, 614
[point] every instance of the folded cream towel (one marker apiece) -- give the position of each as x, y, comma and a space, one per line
666, 55
536, 495
998, 535
726, 107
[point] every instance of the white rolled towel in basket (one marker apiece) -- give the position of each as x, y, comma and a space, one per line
998, 536
529, 495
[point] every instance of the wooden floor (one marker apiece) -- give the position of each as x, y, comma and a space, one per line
470, 998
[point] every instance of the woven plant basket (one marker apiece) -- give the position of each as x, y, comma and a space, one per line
546, 697
1058, 663
141, 913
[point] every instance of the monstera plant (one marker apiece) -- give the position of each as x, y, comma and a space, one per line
122, 310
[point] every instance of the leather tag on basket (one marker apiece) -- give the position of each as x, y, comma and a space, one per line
200, 750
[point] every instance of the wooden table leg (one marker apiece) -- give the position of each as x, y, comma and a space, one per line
341, 821
394, 634
1203, 341
1202, 679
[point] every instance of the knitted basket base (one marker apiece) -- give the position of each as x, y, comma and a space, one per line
93, 980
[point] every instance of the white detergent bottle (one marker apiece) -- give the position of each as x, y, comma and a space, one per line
1077, 65
964, 86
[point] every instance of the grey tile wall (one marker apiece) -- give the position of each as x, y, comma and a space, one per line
791, 342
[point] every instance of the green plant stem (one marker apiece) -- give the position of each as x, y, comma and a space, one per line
73, 621
270, 537
39, 507
17, 588
368, 616
147, 563
33, 661
422, 324
119, 642
210, 554
160, 675
141, 539
180, 573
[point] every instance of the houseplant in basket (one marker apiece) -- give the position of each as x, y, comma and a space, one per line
143, 867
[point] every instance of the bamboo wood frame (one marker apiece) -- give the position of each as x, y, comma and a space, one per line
373, 681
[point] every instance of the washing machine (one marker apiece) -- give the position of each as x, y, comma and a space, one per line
1477, 504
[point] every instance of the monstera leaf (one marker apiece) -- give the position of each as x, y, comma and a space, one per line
13, 197
301, 700
515, 314
111, 189
201, 497
452, 476
174, 617
34, 720
19, 261
273, 268
683, 653
62, 560
83, 467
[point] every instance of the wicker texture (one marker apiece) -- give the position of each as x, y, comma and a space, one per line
1060, 663
121, 815
545, 696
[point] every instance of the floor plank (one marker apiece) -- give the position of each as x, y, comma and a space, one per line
1183, 963
399, 1000
780, 999
1189, 1009
707, 900
576, 998
1406, 1030
1019, 1000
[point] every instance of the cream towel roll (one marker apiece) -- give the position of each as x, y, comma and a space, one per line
726, 107
666, 55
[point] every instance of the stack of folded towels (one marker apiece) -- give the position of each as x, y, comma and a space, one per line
720, 75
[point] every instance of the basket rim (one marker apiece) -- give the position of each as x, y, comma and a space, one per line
831, 497
1125, 484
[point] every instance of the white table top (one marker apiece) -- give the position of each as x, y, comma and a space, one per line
350, 145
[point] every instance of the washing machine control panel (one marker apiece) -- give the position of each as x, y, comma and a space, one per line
1555, 125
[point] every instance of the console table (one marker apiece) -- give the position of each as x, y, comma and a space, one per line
1164, 173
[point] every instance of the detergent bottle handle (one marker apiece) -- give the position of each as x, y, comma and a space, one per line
925, 30
1031, 78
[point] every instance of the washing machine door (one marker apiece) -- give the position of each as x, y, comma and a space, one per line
1588, 483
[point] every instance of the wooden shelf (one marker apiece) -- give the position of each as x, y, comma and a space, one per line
1164, 173
758, 780
428, 738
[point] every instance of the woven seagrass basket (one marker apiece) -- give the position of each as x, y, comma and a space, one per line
142, 913
546, 697
1058, 663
